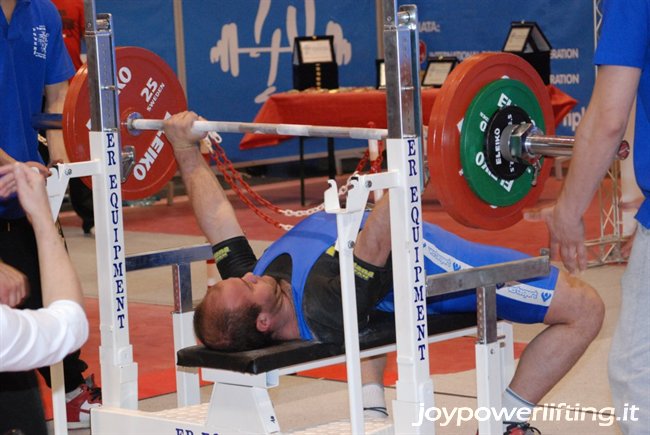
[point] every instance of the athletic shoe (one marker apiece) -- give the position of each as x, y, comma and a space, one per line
375, 412
521, 429
79, 402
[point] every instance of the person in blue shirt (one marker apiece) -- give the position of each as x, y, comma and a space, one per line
294, 291
623, 60
34, 65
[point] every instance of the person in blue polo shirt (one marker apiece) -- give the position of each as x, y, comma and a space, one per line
623, 60
34, 64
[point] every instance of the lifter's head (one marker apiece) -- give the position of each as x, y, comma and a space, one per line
240, 313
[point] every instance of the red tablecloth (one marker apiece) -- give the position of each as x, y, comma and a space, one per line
350, 108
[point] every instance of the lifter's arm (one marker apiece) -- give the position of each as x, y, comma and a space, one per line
373, 242
212, 209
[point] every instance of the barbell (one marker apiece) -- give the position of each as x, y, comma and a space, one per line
480, 177
490, 126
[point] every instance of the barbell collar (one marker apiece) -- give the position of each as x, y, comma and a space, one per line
624, 150
259, 128
127, 162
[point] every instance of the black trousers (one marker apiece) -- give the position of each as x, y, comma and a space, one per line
81, 198
20, 403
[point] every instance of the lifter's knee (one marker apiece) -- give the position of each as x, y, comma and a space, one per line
593, 309
577, 303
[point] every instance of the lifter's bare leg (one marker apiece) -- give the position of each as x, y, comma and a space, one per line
372, 380
373, 243
373, 246
574, 318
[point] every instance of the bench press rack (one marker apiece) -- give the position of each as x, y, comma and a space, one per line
240, 400
404, 178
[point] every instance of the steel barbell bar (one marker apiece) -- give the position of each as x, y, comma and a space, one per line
521, 143
525, 143
135, 123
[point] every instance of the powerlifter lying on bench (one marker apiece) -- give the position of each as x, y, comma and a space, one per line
293, 291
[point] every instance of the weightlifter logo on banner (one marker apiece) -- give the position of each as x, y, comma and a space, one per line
40, 37
226, 52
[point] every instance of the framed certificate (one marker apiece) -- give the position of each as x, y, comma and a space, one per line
526, 37
437, 70
314, 49
314, 63
527, 41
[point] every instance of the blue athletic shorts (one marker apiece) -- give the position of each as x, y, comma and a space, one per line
522, 302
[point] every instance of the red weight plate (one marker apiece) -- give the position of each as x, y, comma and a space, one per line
445, 123
77, 151
422, 51
148, 86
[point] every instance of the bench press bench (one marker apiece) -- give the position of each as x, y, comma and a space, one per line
240, 399
380, 332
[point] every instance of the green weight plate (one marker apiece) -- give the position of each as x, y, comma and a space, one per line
445, 122
487, 186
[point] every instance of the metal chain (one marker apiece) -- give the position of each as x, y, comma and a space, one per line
244, 190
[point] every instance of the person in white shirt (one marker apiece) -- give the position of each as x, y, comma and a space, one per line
37, 338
